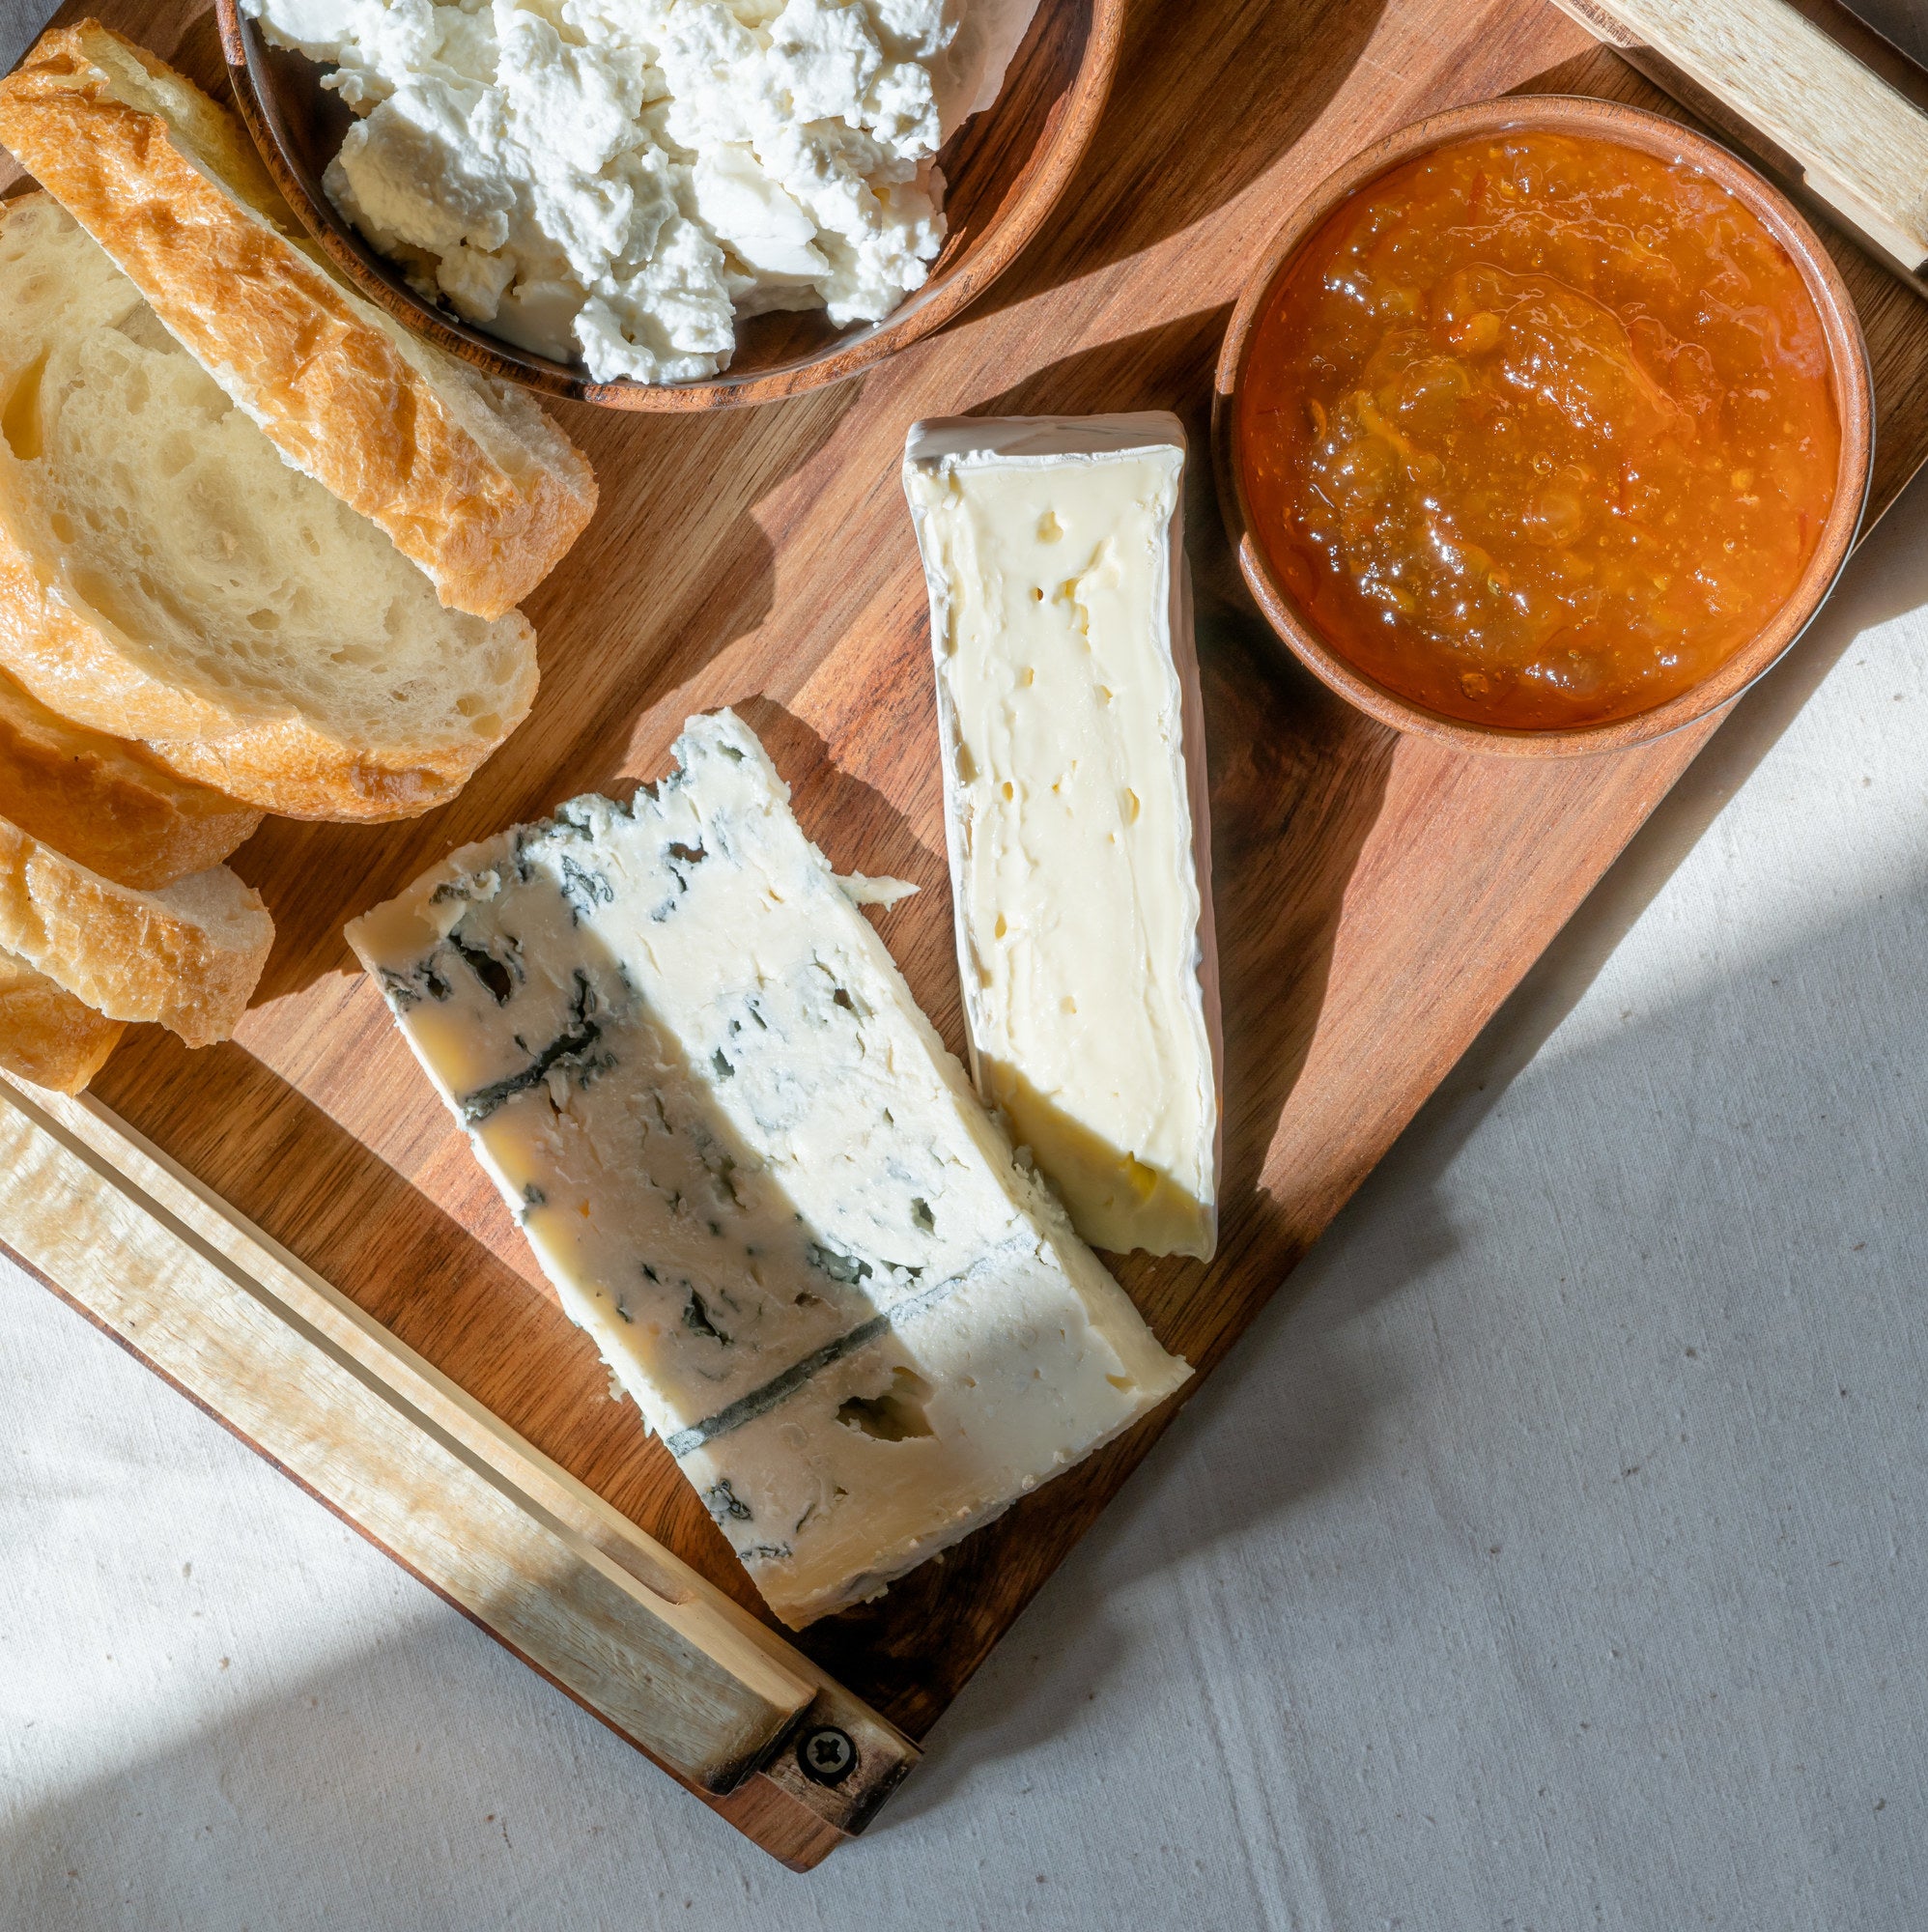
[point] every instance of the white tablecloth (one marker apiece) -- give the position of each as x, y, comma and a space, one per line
1549, 1556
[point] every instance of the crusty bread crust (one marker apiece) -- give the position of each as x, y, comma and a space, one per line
265, 750
106, 804
332, 384
47, 1036
64, 654
187, 955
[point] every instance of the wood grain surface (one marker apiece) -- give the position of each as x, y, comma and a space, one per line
1376, 896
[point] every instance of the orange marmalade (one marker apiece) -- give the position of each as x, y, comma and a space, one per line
1539, 429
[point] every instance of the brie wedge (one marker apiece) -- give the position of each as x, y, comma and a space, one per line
756, 1176
1075, 806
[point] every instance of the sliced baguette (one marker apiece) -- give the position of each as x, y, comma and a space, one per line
107, 804
470, 478
165, 577
187, 955
47, 1036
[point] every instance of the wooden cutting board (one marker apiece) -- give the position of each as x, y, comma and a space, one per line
1377, 898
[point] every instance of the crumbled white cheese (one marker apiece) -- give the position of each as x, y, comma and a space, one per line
618, 180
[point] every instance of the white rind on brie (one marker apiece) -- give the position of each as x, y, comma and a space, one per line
1076, 811
756, 1176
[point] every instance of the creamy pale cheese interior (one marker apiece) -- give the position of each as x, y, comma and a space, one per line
1061, 629
755, 1176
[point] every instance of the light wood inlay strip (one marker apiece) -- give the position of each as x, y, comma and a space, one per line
565, 1580
1861, 146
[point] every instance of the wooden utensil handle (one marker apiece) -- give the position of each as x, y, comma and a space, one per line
1860, 146
306, 1376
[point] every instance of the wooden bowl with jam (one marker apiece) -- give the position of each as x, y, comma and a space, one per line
1545, 428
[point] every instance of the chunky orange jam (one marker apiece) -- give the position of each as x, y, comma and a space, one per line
1539, 430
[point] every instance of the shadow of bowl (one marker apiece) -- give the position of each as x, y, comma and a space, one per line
1004, 170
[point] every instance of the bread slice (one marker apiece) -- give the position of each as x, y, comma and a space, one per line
470, 477
187, 955
165, 577
47, 1036
105, 803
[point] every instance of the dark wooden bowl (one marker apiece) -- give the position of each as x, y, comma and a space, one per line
1004, 169
1633, 128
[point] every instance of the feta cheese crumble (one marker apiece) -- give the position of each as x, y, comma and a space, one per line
619, 180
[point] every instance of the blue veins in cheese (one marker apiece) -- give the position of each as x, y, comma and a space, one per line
756, 1176
1076, 814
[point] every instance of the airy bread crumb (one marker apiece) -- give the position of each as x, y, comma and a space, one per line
165, 577
187, 955
470, 478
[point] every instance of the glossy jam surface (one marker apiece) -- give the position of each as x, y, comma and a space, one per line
1539, 430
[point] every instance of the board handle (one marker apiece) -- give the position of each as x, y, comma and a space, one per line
310, 1379
1858, 145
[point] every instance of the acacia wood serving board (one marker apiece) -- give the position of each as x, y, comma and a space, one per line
1377, 897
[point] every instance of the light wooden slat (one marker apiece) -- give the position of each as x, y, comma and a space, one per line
444, 1486
1860, 145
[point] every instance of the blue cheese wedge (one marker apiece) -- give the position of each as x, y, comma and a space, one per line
1074, 784
755, 1176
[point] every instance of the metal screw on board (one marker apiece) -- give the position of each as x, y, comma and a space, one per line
827, 1755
